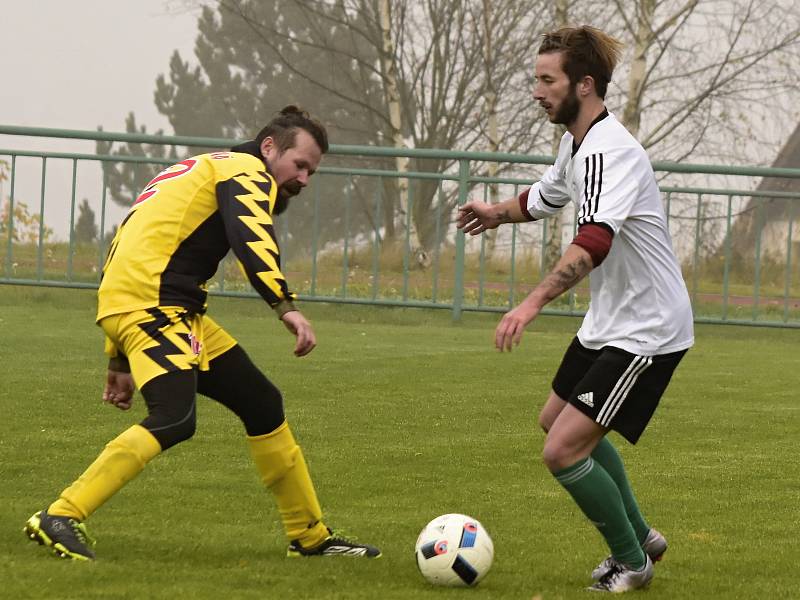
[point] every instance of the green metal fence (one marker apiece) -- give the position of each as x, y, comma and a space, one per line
350, 237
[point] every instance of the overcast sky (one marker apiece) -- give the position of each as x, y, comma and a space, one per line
77, 64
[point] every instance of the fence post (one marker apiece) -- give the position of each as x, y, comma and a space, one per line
40, 244
101, 259
726, 268
10, 224
458, 284
696, 260
72, 219
787, 287
760, 225
314, 237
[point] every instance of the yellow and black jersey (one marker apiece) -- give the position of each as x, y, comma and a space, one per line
183, 224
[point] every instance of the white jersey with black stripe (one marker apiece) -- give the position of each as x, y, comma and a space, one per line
639, 300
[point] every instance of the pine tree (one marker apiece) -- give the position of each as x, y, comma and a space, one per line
85, 226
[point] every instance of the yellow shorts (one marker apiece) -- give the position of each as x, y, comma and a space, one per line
164, 339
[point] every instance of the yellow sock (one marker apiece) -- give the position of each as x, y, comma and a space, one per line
121, 460
283, 470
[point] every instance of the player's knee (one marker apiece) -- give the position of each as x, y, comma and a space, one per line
262, 412
549, 456
170, 400
169, 430
270, 395
264, 416
555, 456
235, 382
185, 430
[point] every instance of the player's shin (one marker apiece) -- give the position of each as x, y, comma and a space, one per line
283, 470
121, 460
599, 498
607, 456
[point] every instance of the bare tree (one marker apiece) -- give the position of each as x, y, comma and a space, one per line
432, 73
698, 78
704, 80
490, 102
555, 225
391, 87
697, 69
644, 33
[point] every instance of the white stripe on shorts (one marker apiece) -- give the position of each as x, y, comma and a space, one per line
623, 386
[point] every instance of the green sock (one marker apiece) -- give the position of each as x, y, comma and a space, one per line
607, 456
598, 497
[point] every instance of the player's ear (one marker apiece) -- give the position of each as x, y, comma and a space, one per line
586, 86
267, 146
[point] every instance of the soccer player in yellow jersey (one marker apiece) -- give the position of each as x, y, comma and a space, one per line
152, 308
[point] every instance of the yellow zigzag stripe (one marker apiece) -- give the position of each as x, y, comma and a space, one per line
183, 359
262, 248
186, 359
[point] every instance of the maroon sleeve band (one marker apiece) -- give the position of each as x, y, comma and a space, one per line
596, 239
523, 205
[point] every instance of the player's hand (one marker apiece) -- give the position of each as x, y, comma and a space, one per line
119, 389
475, 217
511, 327
301, 328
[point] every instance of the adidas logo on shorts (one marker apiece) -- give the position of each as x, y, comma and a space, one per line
587, 398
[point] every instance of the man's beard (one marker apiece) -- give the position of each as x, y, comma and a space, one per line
568, 111
285, 192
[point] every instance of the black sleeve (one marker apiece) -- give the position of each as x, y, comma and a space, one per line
245, 204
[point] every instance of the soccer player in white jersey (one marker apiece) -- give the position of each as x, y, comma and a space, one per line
639, 322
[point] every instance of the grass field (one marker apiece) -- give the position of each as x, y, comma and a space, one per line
402, 416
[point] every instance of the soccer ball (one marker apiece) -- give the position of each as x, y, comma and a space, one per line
454, 550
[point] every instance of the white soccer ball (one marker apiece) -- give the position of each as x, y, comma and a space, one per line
454, 550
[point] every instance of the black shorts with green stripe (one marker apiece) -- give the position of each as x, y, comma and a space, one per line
617, 389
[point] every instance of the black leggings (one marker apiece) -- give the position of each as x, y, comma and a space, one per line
232, 380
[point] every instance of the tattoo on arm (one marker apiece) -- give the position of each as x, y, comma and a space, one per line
563, 277
503, 216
